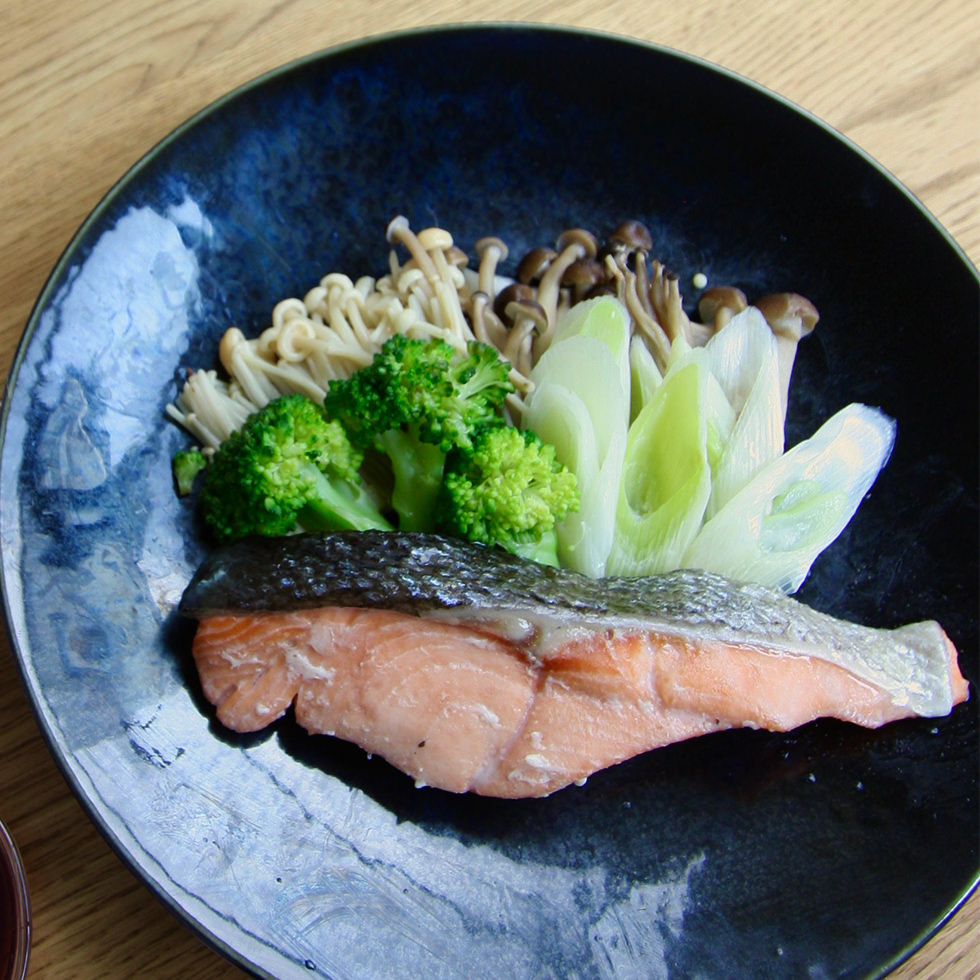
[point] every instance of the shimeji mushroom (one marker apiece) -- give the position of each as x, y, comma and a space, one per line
262, 378
507, 295
342, 306
486, 325
651, 294
528, 320
519, 320
718, 304
447, 309
447, 259
654, 287
791, 318
341, 323
572, 245
639, 307
633, 235
665, 295
582, 277
399, 232
532, 265
210, 408
490, 252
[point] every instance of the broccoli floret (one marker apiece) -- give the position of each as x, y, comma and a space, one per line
369, 401
288, 467
468, 393
425, 381
510, 491
415, 402
186, 465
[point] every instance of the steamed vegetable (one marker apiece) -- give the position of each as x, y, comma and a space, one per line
187, 464
288, 466
580, 404
666, 477
686, 467
415, 402
772, 530
416, 440
645, 376
426, 383
508, 490
669, 426
744, 359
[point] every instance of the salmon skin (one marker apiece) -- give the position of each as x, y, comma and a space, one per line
473, 670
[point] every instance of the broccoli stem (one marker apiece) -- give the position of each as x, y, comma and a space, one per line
544, 551
417, 468
339, 506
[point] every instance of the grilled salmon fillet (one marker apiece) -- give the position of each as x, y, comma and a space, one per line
473, 671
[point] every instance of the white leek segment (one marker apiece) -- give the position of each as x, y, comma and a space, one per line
687, 468
744, 358
580, 404
674, 446
772, 530
562, 418
607, 320
645, 376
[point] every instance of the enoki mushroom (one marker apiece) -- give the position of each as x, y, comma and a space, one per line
430, 291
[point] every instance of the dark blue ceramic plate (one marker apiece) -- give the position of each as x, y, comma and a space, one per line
829, 852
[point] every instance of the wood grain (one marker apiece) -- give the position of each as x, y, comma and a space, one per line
87, 88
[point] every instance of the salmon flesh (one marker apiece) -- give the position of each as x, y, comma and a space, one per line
476, 671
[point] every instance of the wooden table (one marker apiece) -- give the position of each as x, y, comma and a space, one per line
87, 87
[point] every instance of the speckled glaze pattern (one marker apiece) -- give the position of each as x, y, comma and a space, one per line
828, 852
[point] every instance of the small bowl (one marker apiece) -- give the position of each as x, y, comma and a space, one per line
15, 911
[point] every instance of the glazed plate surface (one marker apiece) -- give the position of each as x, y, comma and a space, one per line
828, 852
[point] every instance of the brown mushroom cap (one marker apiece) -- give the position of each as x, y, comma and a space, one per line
632, 234
534, 263
573, 245
790, 317
717, 298
529, 319
580, 237
604, 288
455, 256
526, 307
516, 291
584, 273
788, 314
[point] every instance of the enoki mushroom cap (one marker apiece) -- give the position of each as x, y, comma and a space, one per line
230, 340
435, 239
